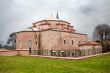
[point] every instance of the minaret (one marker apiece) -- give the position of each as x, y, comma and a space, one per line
51, 15
57, 16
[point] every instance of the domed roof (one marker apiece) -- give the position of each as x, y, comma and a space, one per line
31, 29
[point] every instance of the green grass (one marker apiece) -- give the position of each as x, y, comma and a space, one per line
18, 64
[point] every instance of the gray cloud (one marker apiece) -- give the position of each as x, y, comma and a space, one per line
84, 15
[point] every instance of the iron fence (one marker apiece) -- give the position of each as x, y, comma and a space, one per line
67, 53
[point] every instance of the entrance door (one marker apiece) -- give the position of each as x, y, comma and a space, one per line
30, 45
29, 50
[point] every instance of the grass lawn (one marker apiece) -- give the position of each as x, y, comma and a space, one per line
19, 64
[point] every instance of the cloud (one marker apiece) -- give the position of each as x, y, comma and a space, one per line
84, 15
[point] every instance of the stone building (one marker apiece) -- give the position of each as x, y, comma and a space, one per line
51, 37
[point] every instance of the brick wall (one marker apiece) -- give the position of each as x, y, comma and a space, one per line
24, 37
14, 52
8, 52
54, 40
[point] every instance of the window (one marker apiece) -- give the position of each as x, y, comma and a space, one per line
36, 36
20, 44
36, 42
30, 43
64, 41
79, 42
72, 42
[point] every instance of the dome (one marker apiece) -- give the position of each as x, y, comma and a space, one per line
31, 29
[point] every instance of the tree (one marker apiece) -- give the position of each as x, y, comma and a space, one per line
12, 40
102, 34
0, 45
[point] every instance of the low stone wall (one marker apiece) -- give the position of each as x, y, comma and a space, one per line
8, 52
23, 52
70, 58
14, 52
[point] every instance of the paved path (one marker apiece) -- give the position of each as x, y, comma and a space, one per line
70, 58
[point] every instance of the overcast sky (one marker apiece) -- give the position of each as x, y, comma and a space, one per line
84, 15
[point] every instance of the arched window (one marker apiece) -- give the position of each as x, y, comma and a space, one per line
30, 43
36, 36
36, 42
72, 42
79, 42
20, 44
64, 41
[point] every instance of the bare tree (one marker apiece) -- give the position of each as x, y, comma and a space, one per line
12, 40
102, 34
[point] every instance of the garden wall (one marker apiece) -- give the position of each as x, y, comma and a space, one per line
23, 52
14, 52
8, 52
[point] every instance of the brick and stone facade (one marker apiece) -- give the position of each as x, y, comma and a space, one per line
51, 37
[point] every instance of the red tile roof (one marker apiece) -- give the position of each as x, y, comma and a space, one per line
90, 43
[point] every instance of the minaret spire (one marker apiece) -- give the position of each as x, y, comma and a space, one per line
51, 15
57, 16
